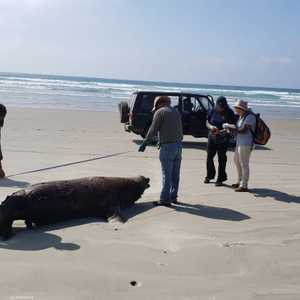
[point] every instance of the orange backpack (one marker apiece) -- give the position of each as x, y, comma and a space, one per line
262, 132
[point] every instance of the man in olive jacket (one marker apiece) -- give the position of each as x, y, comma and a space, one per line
168, 125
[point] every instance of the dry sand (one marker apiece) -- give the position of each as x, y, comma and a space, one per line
217, 245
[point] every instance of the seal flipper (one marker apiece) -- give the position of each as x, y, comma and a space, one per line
116, 218
115, 215
7, 233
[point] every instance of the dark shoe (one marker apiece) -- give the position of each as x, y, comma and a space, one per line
206, 180
162, 203
241, 190
219, 183
235, 185
174, 201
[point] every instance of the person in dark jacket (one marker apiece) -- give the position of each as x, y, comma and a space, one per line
2, 116
218, 140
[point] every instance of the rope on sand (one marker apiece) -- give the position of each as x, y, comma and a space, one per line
68, 164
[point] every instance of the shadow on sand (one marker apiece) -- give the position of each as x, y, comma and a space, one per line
137, 209
42, 238
218, 213
276, 195
201, 145
6, 182
36, 240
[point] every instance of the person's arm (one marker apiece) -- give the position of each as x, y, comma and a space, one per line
247, 124
155, 127
153, 130
230, 125
212, 128
209, 126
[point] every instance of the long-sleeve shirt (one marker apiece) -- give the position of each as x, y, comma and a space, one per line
168, 124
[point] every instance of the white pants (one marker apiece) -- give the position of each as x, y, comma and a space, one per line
241, 160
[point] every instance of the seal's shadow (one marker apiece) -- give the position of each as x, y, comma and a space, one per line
41, 238
6, 182
137, 209
36, 240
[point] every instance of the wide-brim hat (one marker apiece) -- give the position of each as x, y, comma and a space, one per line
241, 104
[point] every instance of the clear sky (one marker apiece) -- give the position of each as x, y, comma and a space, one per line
235, 42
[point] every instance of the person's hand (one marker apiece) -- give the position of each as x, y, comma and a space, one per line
215, 130
228, 126
142, 147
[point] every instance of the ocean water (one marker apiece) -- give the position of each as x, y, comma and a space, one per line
81, 93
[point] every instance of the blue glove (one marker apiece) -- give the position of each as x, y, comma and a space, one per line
142, 147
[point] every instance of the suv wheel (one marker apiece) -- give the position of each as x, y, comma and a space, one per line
124, 111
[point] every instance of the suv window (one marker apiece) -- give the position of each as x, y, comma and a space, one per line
206, 103
191, 105
174, 100
145, 104
132, 102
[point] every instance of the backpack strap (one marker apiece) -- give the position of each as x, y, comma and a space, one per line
256, 117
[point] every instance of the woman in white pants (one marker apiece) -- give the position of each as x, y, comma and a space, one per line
244, 144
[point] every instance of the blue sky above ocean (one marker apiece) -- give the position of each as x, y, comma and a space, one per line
232, 42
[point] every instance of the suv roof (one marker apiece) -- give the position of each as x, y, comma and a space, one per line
170, 93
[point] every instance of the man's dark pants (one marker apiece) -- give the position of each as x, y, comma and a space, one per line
213, 148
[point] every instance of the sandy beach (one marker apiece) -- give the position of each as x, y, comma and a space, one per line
216, 244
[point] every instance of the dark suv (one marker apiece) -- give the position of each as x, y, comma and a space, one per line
194, 108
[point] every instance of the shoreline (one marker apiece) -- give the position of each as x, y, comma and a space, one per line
268, 117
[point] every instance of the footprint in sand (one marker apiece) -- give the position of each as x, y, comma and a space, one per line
135, 283
236, 244
161, 264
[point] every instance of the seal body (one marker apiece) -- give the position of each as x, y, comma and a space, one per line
57, 201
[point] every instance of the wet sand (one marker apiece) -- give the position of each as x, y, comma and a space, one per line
216, 244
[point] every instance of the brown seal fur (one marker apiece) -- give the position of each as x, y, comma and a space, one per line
57, 201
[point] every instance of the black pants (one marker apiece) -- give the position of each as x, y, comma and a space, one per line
212, 149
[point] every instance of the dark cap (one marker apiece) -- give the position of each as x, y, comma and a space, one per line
222, 102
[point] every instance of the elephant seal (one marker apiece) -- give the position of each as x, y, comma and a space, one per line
57, 201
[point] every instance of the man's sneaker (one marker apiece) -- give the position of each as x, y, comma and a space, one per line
219, 183
174, 201
241, 189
